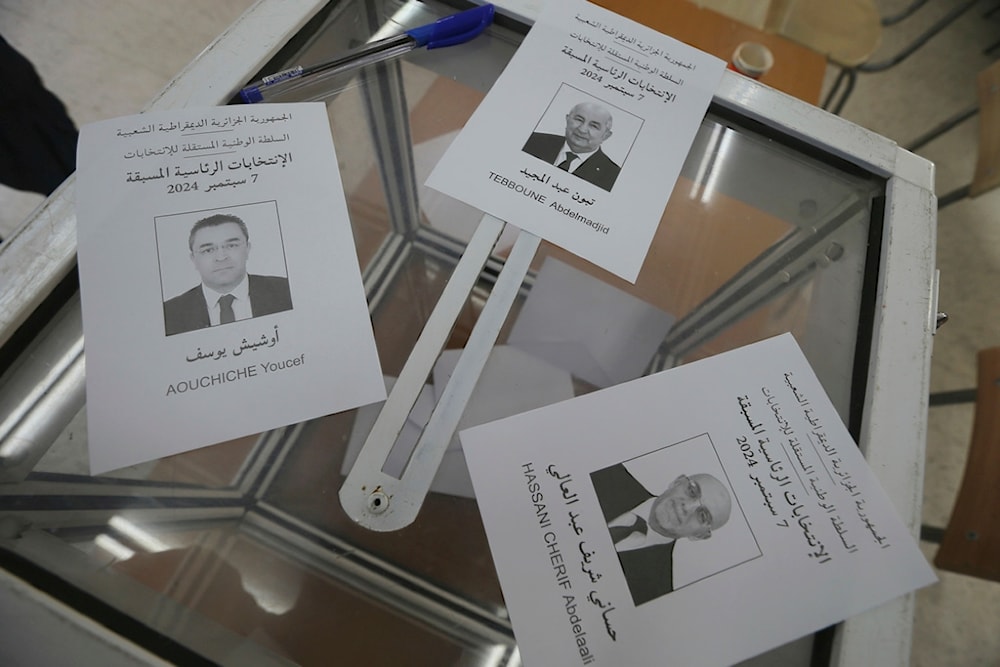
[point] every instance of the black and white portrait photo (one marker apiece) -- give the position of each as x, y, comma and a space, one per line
232, 269
584, 136
657, 507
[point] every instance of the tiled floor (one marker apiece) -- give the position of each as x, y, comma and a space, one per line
109, 57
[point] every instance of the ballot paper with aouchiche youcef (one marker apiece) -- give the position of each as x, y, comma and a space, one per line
221, 291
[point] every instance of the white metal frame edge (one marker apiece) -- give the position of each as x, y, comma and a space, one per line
897, 393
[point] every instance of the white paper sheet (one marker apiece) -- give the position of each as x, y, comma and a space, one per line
511, 382
627, 99
585, 326
810, 538
164, 374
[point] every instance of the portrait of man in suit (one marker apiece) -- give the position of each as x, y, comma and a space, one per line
645, 527
219, 247
578, 151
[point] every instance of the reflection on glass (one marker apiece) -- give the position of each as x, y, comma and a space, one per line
757, 239
115, 548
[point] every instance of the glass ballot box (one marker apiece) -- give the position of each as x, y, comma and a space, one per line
784, 218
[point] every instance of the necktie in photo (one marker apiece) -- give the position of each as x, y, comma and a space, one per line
226, 314
619, 533
570, 156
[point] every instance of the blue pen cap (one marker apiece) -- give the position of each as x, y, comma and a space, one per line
251, 95
454, 29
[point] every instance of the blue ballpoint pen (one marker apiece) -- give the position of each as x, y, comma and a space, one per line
450, 30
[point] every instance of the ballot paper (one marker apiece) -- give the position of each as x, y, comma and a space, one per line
761, 521
221, 289
622, 99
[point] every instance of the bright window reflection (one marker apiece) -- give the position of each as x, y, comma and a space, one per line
118, 550
143, 538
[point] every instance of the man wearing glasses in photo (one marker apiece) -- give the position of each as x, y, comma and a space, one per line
220, 246
578, 151
645, 527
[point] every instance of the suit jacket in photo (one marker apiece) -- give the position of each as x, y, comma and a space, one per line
188, 312
598, 169
649, 571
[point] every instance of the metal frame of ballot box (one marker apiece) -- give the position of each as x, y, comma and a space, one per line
42, 392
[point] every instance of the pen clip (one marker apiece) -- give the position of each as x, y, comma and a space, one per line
454, 29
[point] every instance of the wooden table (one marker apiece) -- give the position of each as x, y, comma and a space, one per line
797, 70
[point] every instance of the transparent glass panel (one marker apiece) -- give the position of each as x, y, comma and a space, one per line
761, 235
